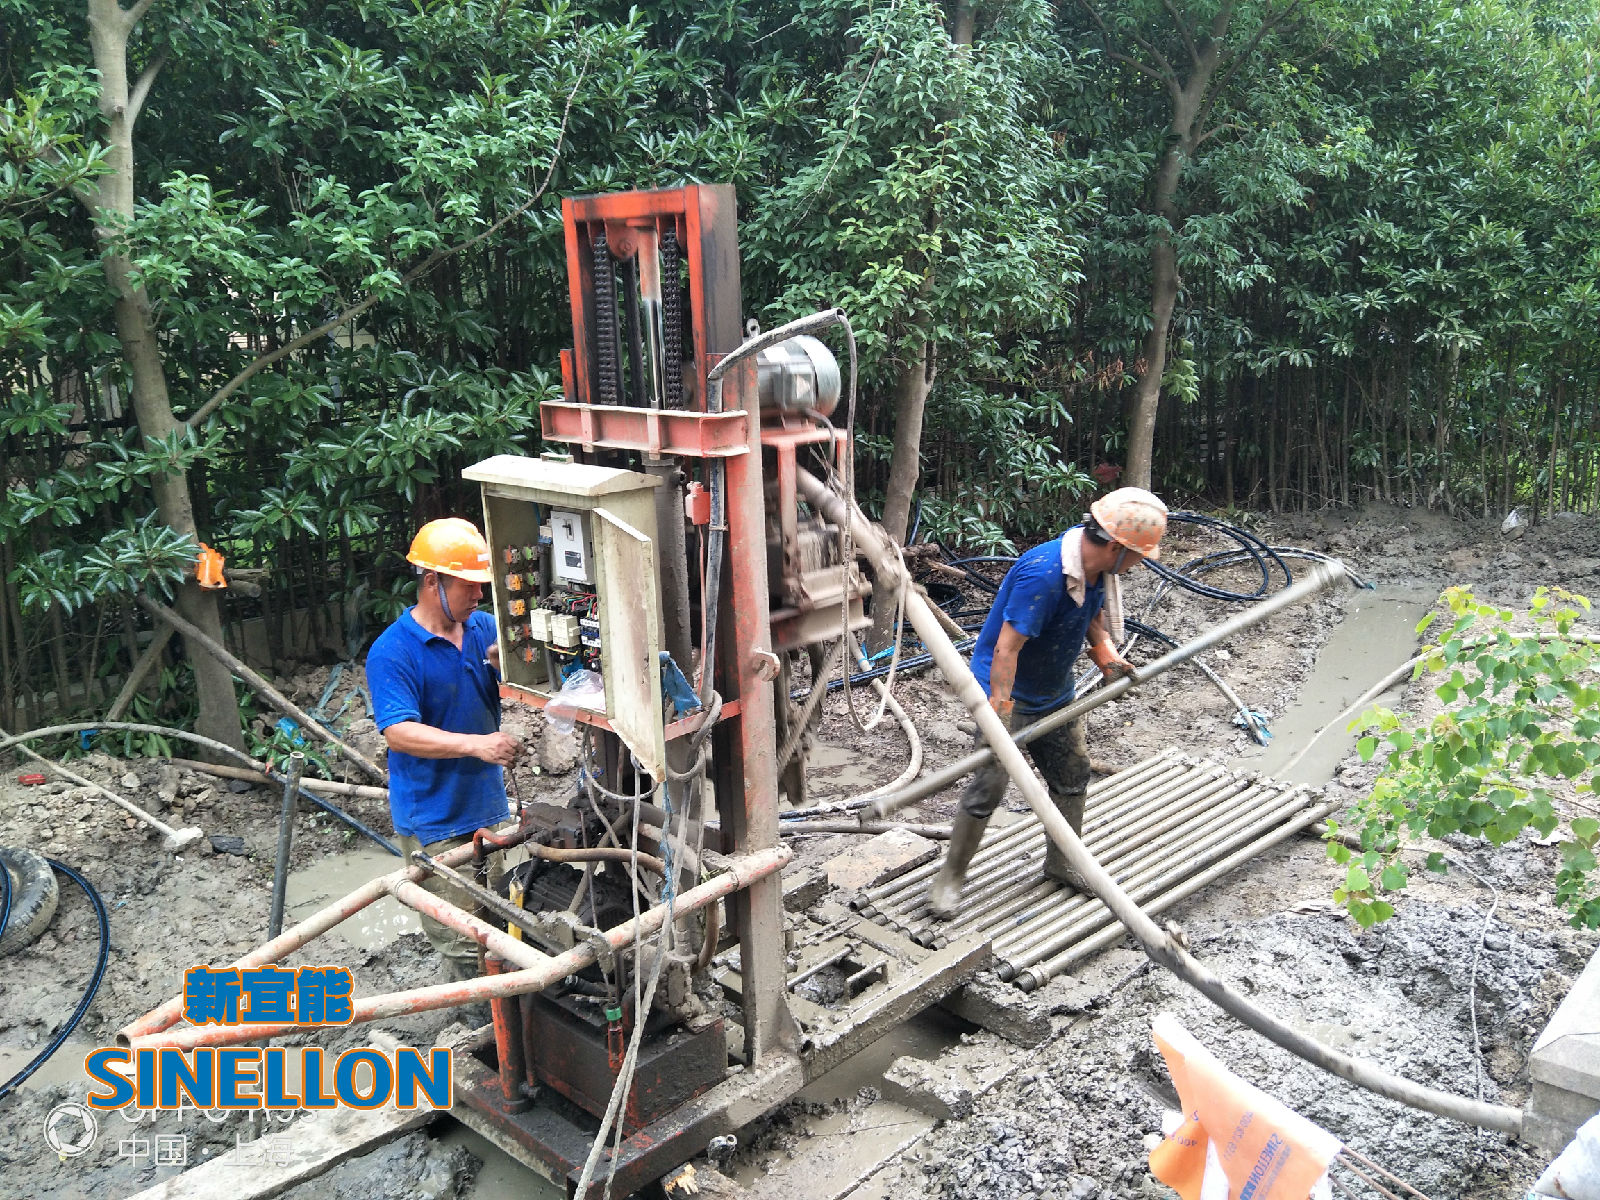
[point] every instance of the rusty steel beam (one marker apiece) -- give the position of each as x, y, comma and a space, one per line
496, 941
741, 873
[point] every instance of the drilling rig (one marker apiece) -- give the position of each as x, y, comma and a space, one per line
660, 570
665, 543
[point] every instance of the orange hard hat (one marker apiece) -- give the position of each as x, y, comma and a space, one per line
451, 546
1132, 517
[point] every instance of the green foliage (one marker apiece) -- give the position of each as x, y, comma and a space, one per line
124, 561
1389, 251
924, 195
1522, 713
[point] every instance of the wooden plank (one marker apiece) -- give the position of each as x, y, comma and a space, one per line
275, 1162
302, 1150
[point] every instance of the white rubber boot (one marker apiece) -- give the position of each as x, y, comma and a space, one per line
944, 897
1070, 806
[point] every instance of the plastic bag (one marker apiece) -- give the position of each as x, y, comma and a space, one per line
582, 689
1576, 1171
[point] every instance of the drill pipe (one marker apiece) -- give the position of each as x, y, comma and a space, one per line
1029, 945
989, 907
1038, 974
1168, 834
1148, 789
998, 879
1319, 577
1159, 945
1061, 936
1112, 797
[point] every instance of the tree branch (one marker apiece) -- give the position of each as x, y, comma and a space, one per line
141, 87
135, 14
1143, 68
1183, 29
1213, 131
433, 260
1171, 76
1235, 61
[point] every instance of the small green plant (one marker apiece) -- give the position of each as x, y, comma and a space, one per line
1522, 712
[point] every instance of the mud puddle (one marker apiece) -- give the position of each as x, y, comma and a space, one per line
64, 1068
840, 769
337, 875
1378, 633
501, 1177
840, 1128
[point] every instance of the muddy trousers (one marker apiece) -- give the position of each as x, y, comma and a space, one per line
460, 953
1062, 756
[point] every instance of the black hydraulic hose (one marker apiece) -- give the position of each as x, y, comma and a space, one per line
982, 558
219, 747
1224, 558
65, 1031
5, 899
913, 663
1182, 576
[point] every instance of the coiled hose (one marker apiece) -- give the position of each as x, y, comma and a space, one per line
87, 999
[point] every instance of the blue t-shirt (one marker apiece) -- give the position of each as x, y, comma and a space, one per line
415, 675
1035, 600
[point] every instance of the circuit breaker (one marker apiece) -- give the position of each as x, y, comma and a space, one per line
575, 588
570, 555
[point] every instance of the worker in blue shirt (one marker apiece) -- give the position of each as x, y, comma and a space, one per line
435, 681
1056, 597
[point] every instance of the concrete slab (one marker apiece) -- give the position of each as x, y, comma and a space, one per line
877, 861
803, 888
1565, 1066
1015, 1015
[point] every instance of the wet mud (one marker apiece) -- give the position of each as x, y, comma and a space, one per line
1069, 1119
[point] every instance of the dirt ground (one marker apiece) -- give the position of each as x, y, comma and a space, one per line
1075, 1123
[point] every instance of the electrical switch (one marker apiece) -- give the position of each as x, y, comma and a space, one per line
539, 624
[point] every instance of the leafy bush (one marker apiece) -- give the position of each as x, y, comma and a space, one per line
1522, 712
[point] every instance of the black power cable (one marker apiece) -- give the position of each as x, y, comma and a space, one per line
65, 1031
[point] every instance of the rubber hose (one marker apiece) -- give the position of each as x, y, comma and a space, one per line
220, 747
65, 1031
5, 899
1249, 541
915, 662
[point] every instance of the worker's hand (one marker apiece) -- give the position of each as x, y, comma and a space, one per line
501, 749
1117, 668
1112, 665
1006, 710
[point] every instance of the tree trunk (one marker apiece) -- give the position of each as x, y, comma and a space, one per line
110, 203
1142, 405
1188, 102
961, 24
911, 389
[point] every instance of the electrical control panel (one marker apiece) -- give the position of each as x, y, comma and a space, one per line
575, 588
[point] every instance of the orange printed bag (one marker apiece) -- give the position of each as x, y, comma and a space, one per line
1232, 1140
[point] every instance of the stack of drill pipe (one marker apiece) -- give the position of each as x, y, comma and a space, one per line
1163, 828
903, 899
